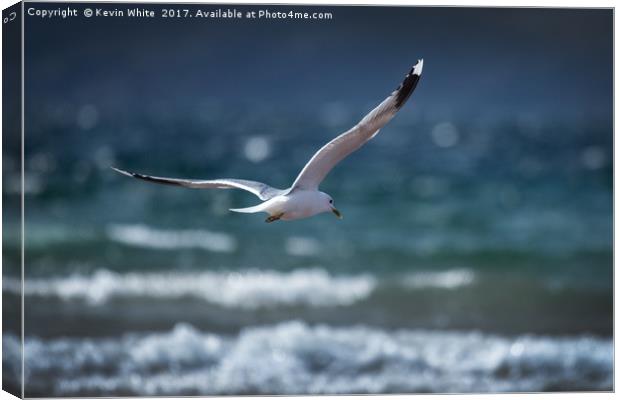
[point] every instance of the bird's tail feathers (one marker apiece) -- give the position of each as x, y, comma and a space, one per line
250, 210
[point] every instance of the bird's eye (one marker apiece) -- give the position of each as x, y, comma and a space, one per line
331, 201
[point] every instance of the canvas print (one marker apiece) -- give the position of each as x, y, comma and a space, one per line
229, 199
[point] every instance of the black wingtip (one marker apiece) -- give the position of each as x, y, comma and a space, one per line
145, 177
127, 173
403, 92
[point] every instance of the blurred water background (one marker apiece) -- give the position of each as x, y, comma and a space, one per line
475, 253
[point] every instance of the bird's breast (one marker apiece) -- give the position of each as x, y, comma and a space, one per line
302, 204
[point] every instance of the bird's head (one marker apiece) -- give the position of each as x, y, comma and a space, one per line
329, 205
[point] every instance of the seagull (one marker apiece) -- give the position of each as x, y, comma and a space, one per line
303, 199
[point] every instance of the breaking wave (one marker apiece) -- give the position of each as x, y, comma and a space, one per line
247, 289
144, 236
448, 279
302, 358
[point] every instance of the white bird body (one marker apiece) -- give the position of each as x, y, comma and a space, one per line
303, 199
295, 205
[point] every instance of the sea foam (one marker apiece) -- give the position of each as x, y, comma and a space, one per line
148, 237
244, 289
303, 358
446, 279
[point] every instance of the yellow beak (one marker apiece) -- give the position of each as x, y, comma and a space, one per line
337, 213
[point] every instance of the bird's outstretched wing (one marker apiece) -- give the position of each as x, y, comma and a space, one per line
333, 152
263, 191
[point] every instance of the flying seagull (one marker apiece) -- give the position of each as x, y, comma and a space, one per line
303, 199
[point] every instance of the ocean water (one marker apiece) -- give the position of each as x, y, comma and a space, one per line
474, 256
